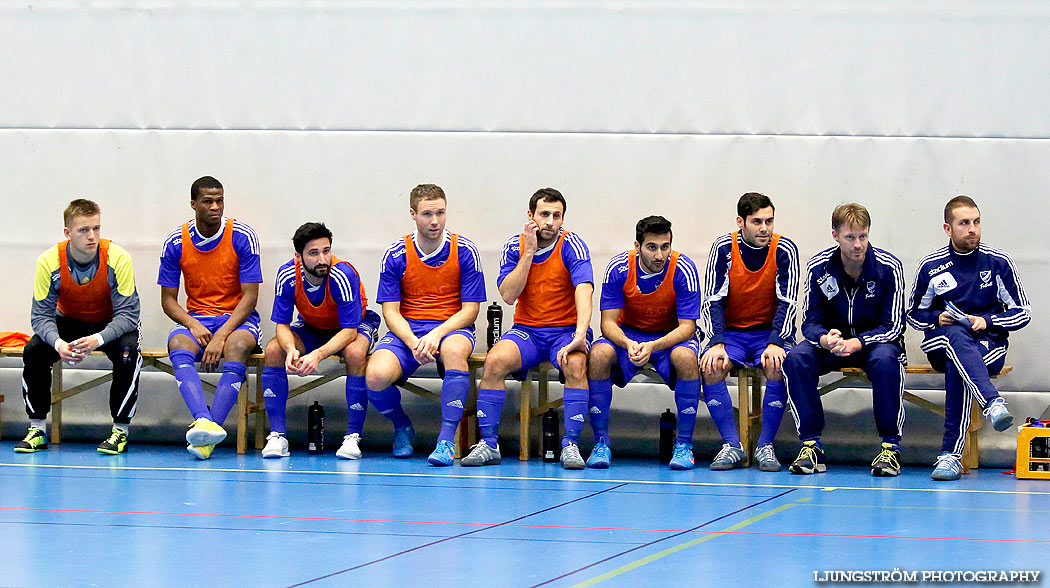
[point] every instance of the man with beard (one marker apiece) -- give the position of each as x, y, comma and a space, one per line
749, 307
547, 272
966, 299
333, 318
650, 303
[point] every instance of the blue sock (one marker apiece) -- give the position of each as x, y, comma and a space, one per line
356, 404
275, 396
490, 405
575, 403
687, 400
453, 396
189, 382
720, 405
600, 404
772, 410
388, 403
233, 375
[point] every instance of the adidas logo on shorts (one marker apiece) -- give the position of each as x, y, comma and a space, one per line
776, 404
267, 393
356, 406
596, 410
689, 410
455, 404
576, 417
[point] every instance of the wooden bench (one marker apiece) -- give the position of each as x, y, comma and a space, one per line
151, 358
749, 393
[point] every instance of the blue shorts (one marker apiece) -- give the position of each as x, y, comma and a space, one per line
539, 344
408, 362
214, 323
745, 348
625, 371
313, 337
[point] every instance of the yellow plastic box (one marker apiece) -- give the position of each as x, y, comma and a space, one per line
1028, 466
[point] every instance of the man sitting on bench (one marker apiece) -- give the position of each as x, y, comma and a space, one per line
547, 271
333, 318
749, 307
967, 297
431, 287
650, 303
84, 299
853, 315
219, 258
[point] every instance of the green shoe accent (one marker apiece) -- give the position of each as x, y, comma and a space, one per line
36, 440
117, 443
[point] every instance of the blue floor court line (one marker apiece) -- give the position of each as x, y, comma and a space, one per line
244, 521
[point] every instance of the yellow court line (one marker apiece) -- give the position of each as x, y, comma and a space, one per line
945, 489
661, 554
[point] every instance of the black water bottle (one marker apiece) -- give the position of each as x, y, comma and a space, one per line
550, 435
668, 422
315, 428
495, 318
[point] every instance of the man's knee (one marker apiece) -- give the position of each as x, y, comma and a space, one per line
883, 357
575, 368
382, 370
355, 355
274, 354
501, 361
238, 347
602, 357
685, 362
183, 343
455, 351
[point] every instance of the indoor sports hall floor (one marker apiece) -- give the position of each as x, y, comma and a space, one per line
157, 517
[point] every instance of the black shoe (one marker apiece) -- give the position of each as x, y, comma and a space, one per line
810, 460
888, 462
117, 443
36, 440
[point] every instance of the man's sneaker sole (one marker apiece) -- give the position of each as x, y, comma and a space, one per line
199, 437
1003, 423
31, 449
769, 467
817, 469
884, 473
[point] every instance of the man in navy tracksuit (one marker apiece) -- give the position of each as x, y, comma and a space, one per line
853, 316
967, 297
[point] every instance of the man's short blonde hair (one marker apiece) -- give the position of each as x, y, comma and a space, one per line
425, 192
850, 215
79, 207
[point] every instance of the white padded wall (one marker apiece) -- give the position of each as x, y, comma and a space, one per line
333, 111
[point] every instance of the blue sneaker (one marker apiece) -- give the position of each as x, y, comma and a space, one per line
948, 468
1000, 417
403, 441
601, 456
443, 454
682, 458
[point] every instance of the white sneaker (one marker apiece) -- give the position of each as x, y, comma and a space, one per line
351, 447
276, 446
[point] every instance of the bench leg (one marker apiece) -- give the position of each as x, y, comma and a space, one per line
56, 405
743, 415
970, 448
526, 417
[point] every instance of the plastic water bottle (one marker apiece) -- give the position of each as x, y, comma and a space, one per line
668, 423
495, 318
315, 428
550, 435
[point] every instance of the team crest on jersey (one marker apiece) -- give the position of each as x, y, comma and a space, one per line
871, 290
828, 285
942, 283
986, 276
